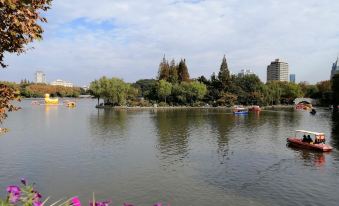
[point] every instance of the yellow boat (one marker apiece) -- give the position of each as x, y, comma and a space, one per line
71, 104
50, 101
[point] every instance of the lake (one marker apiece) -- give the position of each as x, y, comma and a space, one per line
181, 157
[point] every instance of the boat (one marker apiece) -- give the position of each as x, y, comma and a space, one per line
255, 108
35, 103
240, 111
304, 106
51, 101
313, 111
71, 104
317, 144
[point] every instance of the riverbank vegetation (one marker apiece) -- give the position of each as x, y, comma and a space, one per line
28, 89
174, 87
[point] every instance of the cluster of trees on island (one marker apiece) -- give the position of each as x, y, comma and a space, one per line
174, 87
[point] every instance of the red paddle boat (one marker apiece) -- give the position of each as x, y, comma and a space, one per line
318, 143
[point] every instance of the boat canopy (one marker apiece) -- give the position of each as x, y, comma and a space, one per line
309, 132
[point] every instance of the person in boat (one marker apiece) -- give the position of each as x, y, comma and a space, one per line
309, 139
304, 138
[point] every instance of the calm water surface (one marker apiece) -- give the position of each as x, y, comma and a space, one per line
187, 157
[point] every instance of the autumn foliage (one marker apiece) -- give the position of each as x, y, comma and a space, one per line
19, 24
7, 95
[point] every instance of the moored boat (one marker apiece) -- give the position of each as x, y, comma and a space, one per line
71, 104
304, 106
318, 144
240, 111
255, 108
35, 103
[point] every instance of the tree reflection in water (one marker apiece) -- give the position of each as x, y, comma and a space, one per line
174, 129
173, 135
109, 122
222, 124
335, 130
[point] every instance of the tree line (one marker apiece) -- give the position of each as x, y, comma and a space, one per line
174, 87
28, 89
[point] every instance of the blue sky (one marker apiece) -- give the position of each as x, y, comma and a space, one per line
87, 39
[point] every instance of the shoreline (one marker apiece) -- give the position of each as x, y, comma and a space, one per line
188, 107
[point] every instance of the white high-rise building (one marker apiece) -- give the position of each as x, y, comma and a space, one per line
245, 72
63, 83
40, 77
277, 71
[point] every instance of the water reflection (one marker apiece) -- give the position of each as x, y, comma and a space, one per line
222, 124
173, 135
49, 109
335, 130
310, 158
108, 122
205, 157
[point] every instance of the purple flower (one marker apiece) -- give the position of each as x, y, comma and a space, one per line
37, 203
75, 201
14, 193
23, 181
13, 189
102, 203
158, 204
37, 195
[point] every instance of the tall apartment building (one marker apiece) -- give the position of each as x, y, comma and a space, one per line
292, 78
277, 71
40, 77
335, 68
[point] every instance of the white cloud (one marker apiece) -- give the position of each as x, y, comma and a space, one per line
86, 39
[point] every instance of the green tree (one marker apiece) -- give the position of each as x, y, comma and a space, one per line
164, 89
274, 91
197, 90
249, 83
325, 92
173, 72
183, 75
291, 91
224, 75
114, 91
117, 91
95, 89
189, 92
146, 87
227, 99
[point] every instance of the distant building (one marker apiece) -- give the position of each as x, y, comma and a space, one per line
40, 77
63, 83
335, 68
245, 72
277, 71
85, 88
292, 78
